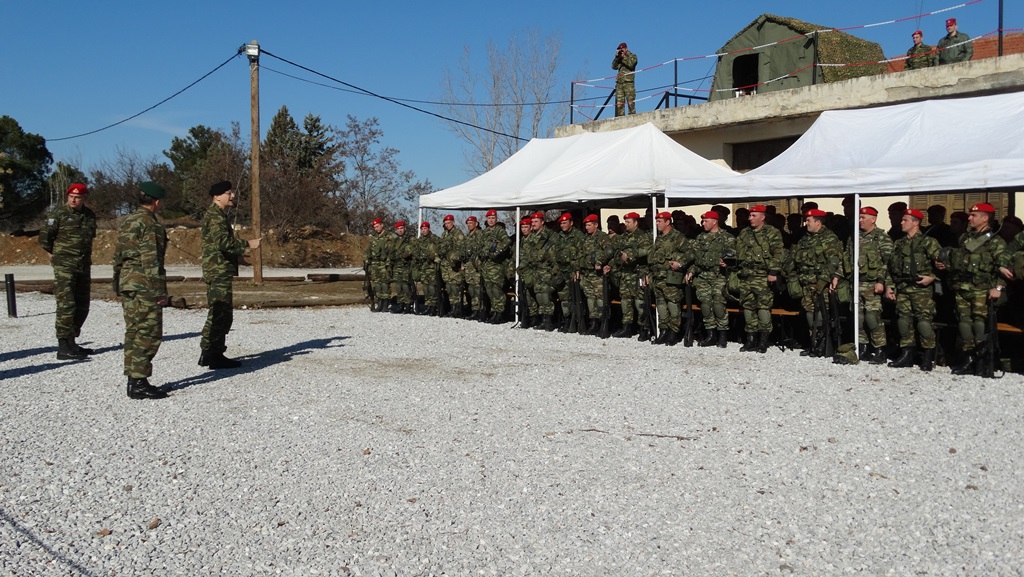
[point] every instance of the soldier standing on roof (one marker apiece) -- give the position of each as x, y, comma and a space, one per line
625, 88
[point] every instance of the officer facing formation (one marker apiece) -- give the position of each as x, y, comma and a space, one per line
913, 272
668, 260
816, 260
708, 276
759, 255
375, 263
67, 236
630, 252
875, 251
221, 250
141, 282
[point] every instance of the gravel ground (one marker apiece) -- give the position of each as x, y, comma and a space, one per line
353, 443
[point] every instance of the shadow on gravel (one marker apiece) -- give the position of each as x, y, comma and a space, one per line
4, 357
72, 566
256, 362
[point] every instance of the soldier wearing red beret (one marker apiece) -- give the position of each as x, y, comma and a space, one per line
913, 272
375, 265
759, 253
631, 249
449, 250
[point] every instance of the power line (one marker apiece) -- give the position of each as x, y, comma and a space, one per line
203, 77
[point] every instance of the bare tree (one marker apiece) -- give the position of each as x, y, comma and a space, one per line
508, 103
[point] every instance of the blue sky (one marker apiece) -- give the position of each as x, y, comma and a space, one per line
72, 67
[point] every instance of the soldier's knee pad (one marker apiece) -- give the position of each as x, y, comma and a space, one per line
871, 320
925, 329
765, 317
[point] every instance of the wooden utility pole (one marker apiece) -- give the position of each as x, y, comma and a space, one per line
252, 50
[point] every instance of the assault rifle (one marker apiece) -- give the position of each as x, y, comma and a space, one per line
606, 308
368, 289
523, 310
441, 291
579, 308
990, 349
835, 326
688, 332
821, 341
649, 307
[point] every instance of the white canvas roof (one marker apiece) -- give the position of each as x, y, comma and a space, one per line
935, 145
592, 166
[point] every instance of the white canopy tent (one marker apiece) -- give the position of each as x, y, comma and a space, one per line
594, 166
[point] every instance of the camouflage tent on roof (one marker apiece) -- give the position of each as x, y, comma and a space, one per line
785, 50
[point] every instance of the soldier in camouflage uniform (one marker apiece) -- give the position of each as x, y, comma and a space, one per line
629, 265
1011, 265
595, 256
375, 263
531, 315
920, 54
567, 251
221, 250
472, 249
817, 259
141, 282
708, 278
974, 270
954, 46
426, 261
875, 251
538, 268
496, 252
912, 272
759, 255
400, 253
67, 236
625, 87
668, 259
449, 250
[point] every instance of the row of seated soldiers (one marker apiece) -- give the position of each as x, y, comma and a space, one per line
569, 278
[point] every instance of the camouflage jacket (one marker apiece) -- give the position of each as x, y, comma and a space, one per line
568, 250
449, 247
962, 53
425, 254
139, 255
637, 245
668, 247
472, 247
913, 256
760, 252
377, 251
1014, 251
400, 252
221, 248
596, 249
974, 263
539, 251
68, 236
920, 56
875, 250
708, 249
626, 66
495, 245
818, 256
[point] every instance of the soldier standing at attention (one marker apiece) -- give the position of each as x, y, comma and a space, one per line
912, 270
759, 253
541, 256
67, 236
954, 46
875, 251
426, 269
449, 249
375, 262
631, 249
920, 54
708, 277
566, 261
817, 258
497, 249
595, 253
974, 268
400, 253
471, 248
625, 87
668, 260
221, 250
141, 282
526, 275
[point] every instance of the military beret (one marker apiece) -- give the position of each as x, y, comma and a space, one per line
664, 216
565, 217
450, 217
78, 188
914, 213
917, 33
538, 214
983, 207
525, 220
400, 224
591, 218
491, 212
758, 208
152, 190
220, 188
622, 45
869, 210
709, 214
815, 212
424, 224
377, 221
632, 215
471, 218
950, 21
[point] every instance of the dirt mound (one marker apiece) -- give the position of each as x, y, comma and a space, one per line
305, 249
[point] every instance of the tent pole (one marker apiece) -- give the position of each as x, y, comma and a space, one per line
856, 276
419, 219
515, 280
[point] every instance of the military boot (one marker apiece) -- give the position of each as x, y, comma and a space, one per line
383, 305
662, 338
644, 334
709, 339
877, 357
672, 339
219, 361
750, 345
906, 358
723, 339
496, 318
80, 349
549, 323
65, 352
592, 327
762, 342
866, 352
625, 332
928, 360
537, 322
527, 322
141, 389
964, 367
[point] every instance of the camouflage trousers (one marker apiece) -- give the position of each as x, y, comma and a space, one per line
219, 318
593, 290
495, 283
143, 330
756, 300
625, 93
71, 291
971, 315
401, 285
563, 290
379, 280
915, 311
539, 294
452, 283
427, 284
668, 298
631, 298
474, 294
712, 301
872, 331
